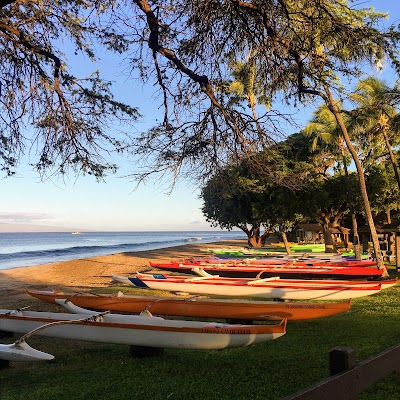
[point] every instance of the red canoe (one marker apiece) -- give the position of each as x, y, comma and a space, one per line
284, 271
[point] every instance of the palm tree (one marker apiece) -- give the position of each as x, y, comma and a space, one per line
336, 111
246, 87
376, 116
324, 127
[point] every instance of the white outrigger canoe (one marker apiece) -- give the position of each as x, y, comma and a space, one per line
140, 330
290, 289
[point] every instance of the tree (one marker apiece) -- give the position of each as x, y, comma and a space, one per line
70, 117
236, 197
245, 88
376, 117
327, 202
244, 197
301, 49
231, 200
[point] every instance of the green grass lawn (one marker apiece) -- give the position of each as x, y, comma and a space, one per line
267, 371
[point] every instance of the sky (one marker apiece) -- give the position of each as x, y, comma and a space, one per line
27, 203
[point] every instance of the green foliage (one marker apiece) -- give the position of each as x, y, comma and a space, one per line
258, 191
382, 188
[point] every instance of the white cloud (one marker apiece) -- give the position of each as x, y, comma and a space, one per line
24, 217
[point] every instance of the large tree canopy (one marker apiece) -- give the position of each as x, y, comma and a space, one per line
293, 49
299, 48
64, 119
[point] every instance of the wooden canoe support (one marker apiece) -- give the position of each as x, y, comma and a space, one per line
3, 335
350, 379
390, 233
143, 352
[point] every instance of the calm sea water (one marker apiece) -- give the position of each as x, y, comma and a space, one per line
25, 249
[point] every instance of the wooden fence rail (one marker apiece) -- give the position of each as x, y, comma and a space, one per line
348, 378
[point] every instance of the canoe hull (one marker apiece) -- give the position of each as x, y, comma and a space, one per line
282, 289
252, 271
201, 308
143, 331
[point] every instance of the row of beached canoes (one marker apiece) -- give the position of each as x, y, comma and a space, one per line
256, 268
90, 316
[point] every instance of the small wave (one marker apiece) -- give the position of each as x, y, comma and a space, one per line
90, 248
84, 249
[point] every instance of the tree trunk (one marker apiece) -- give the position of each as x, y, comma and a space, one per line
253, 235
286, 242
356, 239
328, 239
254, 241
336, 112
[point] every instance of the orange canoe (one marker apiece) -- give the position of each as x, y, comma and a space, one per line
199, 307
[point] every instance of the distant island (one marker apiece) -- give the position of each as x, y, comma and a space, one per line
4, 227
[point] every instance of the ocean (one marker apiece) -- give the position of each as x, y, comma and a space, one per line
22, 249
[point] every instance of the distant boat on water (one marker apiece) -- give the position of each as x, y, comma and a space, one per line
75, 233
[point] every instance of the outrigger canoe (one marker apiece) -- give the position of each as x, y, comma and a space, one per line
265, 252
199, 308
291, 289
289, 270
295, 262
142, 331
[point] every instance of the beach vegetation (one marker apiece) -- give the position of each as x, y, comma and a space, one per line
322, 193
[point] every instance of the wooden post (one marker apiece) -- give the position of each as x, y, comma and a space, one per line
397, 248
341, 359
353, 379
365, 244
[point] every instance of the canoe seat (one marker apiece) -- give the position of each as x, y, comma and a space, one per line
256, 281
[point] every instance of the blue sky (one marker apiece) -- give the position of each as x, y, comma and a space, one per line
83, 203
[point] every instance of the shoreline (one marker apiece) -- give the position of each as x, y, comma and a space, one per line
93, 272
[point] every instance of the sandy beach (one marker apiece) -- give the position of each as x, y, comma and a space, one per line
89, 273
